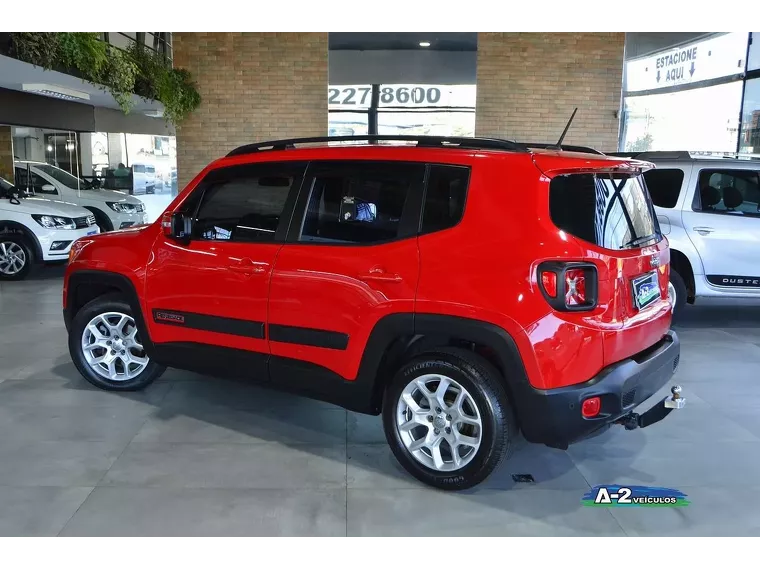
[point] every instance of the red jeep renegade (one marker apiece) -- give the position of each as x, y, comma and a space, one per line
466, 289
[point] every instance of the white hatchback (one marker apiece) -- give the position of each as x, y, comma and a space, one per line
36, 229
112, 209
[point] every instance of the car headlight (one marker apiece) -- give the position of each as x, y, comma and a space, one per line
121, 207
55, 222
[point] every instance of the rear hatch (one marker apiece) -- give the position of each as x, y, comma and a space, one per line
603, 205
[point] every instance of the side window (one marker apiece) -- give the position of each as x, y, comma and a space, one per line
26, 179
359, 202
735, 192
664, 186
444, 197
244, 203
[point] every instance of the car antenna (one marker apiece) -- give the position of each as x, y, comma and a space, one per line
558, 146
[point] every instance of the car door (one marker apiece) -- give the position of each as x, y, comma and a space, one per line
351, 259
211, 290
723, 222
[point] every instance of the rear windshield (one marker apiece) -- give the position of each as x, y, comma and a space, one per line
612, 211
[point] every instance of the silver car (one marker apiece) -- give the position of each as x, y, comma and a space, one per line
708, 206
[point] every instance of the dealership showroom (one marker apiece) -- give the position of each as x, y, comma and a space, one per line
100, 133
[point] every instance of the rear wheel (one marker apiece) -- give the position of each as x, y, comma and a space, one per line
16, 257
676, 293
447, 419
106, 347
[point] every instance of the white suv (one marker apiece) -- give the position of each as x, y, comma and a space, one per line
112, 209
708, 206
34, 229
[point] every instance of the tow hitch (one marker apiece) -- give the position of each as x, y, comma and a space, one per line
656, 414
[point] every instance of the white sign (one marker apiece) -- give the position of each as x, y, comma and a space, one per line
719, 56
346, 97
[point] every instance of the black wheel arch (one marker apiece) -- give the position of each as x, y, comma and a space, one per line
397, 338
16, 227
681, 264
87, 285
101, 217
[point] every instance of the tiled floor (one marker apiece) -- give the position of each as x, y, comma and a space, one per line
196, 455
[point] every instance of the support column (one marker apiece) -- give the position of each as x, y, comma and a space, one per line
529, 84
6, 153
254, 87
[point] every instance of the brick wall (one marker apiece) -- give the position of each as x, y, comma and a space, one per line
529, 84
6, 153
255, 87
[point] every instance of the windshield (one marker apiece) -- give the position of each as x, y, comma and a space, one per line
612, 211
62, 176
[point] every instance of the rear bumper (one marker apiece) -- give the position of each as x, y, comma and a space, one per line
553, 417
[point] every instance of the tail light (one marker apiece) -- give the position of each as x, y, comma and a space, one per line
590, 407
167, 225
570, 286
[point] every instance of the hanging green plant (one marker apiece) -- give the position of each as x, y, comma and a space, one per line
119, 77
136, 70
38, 48
173, 87
84, 52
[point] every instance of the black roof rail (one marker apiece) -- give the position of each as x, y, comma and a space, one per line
565, 147
422, 141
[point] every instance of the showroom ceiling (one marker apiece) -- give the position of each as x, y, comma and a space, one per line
439, 41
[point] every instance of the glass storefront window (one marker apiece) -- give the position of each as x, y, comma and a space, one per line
703, 119
451, 123
347, 124
750, 135
402, 109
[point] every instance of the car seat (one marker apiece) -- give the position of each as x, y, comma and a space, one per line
732, 198
709, 197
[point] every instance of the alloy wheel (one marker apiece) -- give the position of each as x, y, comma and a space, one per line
12, 258
112, 347
439, 422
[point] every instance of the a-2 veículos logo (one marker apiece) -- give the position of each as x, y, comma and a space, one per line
613, 496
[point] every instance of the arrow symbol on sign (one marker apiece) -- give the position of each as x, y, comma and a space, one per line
658, 75
691, 71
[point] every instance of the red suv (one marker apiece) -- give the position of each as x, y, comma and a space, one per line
466, 289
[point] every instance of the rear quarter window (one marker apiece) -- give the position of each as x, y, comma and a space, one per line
614, 212
664, 185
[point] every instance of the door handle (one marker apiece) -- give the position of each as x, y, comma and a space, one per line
248, 267
703, 230
378, 275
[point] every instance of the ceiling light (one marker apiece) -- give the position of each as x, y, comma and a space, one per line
157, 113
424, 44
55, 91
49, 147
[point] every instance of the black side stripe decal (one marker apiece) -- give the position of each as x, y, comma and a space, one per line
253, 329
208, 323
308, 337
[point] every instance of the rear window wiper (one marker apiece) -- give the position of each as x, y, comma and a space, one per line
639, 240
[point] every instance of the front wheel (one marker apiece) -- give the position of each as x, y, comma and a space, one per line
447, 419
16, 257
106, 347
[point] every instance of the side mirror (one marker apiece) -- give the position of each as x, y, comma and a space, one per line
177, 226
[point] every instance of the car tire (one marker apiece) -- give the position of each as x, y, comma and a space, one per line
679, 290
16, 257
483, 437
115, 342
